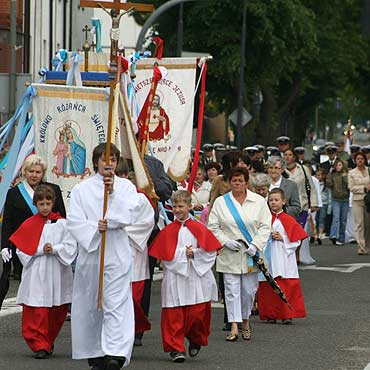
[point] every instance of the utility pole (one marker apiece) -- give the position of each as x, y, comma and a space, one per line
239, 142
13, 60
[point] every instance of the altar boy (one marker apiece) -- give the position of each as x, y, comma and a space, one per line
46, 251
286, 236
187, 250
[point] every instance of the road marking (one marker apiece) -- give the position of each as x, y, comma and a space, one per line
9, 307
367, 367
345, 268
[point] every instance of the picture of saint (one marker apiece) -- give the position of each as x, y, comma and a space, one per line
159, 123
74, 162
59, 151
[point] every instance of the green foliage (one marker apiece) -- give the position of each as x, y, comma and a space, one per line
299, 53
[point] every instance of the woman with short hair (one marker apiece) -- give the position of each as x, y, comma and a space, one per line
241, 221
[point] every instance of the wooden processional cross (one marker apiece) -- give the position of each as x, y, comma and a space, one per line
115, 13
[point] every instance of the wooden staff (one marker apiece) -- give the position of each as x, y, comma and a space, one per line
113, 83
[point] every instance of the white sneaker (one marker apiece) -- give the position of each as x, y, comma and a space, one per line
339, 243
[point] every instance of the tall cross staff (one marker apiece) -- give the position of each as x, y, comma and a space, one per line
115, 13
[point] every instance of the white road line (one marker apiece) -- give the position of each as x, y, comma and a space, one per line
9, 307
367, 367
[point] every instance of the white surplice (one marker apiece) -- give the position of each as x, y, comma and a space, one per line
188, 281
282, 255
138, 237
111, 330
47, 279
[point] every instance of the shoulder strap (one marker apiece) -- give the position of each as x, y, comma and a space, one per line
27, 198
234, 212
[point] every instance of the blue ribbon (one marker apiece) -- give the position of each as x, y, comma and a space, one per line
27, 198
59, 60
95, 22
22, 110
242, 226
24, 134
76, 58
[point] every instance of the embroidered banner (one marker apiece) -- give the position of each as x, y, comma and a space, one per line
68, 123
171, 117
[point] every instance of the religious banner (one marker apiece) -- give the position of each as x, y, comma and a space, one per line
171, 117
69, 122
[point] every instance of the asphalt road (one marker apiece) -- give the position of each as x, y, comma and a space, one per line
335, 335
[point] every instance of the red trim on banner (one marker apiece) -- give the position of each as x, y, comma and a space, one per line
158, 53
200, 128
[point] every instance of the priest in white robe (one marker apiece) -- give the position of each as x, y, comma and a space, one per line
104, 337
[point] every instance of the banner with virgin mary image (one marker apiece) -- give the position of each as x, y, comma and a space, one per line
69, 122
170, 126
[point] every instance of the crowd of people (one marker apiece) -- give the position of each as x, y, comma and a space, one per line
259, 202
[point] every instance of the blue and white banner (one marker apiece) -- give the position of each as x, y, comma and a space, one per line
68, 123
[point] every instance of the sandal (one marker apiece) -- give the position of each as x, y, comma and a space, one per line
232, 337
246, 334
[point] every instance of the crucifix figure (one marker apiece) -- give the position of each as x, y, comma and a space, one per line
115, 13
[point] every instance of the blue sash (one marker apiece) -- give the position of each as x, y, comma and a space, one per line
242, 226
27, 198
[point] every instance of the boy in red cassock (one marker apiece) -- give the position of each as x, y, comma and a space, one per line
46, 251
286, 236
187, 250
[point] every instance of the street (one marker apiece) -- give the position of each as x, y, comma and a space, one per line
335, 335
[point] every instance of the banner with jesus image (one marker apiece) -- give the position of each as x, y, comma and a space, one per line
170, 125
69, 122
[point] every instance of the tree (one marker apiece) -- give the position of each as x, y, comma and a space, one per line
299, 53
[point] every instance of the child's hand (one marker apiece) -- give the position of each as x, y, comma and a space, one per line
102, 226
276, 236
48, 249
189, 251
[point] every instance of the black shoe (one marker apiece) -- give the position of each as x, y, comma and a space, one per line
334, 240
287, 322
177, 356
138, 342
319, 242
193, 349
112, 364
42, 354
312, 240
51, 350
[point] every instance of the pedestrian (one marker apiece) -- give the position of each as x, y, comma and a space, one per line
279, 179
301, 175
46, 250
105, 337
337, 181
325, 209
18, 207
187, 250
359, 185
279, 254
239, 214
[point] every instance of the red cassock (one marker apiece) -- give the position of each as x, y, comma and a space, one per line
190, 321
40, 325
269, 304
